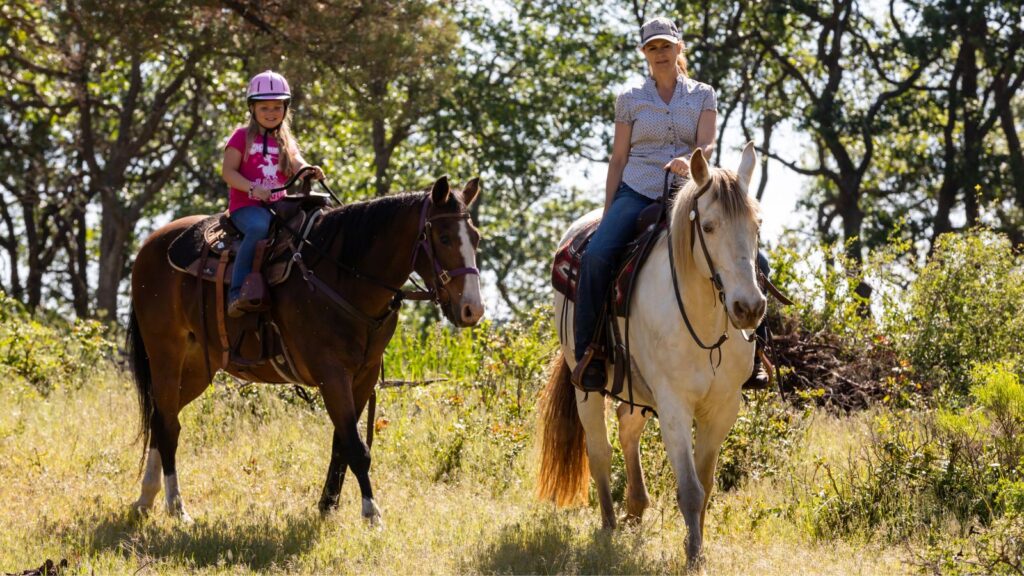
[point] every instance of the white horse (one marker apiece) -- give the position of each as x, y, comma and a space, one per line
687, 383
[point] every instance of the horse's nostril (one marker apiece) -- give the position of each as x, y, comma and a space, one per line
739, 309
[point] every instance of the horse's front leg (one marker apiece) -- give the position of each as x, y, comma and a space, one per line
348, 449
335, 476
712, 428
677, 432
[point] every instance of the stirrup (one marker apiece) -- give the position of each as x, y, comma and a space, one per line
589, 378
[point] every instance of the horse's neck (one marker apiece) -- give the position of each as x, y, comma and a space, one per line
387, 258
695, 291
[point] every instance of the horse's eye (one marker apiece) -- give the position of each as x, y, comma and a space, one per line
708, 228
446, 240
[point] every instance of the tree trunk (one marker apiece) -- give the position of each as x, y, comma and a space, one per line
115, 230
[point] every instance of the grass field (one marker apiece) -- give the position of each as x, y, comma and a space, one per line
453, 477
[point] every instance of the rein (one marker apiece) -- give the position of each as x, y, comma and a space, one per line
716, 278
423, 244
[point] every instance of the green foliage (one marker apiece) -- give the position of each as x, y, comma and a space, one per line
52, 353
964, 308
761, 442
962, 464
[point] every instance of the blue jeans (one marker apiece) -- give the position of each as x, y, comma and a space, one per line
254, 224
601, 259
766, 269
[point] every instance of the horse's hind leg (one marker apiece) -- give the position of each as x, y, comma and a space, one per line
631, 427
599, 451
150, 479
175, 384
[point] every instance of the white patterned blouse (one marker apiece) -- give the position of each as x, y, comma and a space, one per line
661, 131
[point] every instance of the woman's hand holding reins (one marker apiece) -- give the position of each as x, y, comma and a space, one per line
680, 166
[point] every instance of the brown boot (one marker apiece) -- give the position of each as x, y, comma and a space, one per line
760, 378
590, 374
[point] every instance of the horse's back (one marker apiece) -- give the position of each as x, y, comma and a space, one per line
580, 222
155, 284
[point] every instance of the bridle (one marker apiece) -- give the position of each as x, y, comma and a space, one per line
425, 245
697, 232
439, 283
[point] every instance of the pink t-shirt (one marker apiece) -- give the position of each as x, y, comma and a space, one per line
257, 168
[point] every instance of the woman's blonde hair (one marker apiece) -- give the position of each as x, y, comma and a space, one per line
681, 59
288, 159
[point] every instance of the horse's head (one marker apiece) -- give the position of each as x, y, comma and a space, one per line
717, 201
454, 241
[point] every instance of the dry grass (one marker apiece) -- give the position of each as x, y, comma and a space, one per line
251, 467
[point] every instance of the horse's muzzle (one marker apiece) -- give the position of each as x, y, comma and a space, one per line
469, 314
747, 315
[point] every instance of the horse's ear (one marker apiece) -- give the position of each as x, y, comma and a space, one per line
699, 167
470, 192
439, 193
747, 162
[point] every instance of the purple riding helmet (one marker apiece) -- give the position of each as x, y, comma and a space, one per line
268, 85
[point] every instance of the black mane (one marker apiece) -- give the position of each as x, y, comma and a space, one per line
359, 223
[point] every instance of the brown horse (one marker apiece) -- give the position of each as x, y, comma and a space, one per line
335, 321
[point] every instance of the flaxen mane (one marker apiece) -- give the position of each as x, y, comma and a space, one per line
726, 192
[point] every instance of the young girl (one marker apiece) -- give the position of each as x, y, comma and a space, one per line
259, 157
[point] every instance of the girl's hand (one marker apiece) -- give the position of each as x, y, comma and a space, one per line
680, 166
315, 174
261, 193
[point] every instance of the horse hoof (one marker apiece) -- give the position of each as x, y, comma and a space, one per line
139, 510
327, 508
371, 513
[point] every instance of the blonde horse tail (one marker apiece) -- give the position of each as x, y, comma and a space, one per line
564, 469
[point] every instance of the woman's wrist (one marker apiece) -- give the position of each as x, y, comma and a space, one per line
252, 186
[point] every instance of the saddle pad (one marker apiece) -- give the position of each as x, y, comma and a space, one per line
565, 272
186, 248
184, 252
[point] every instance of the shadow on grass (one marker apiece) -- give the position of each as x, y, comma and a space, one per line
255, 541
548, 543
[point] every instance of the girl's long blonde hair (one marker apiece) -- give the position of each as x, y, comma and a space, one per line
289, 158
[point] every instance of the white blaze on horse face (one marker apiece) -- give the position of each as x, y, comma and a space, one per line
471, 307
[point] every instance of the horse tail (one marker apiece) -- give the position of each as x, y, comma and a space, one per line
564, 468
139, 361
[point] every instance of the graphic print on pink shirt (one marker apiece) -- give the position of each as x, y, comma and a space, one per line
259, 169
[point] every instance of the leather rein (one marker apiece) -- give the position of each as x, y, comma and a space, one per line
439, 283
696, 229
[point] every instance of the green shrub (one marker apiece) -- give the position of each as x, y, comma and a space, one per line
50, 353
921, 469
964, 308
761, 442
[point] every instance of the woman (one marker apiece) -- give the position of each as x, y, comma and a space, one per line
657, 127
